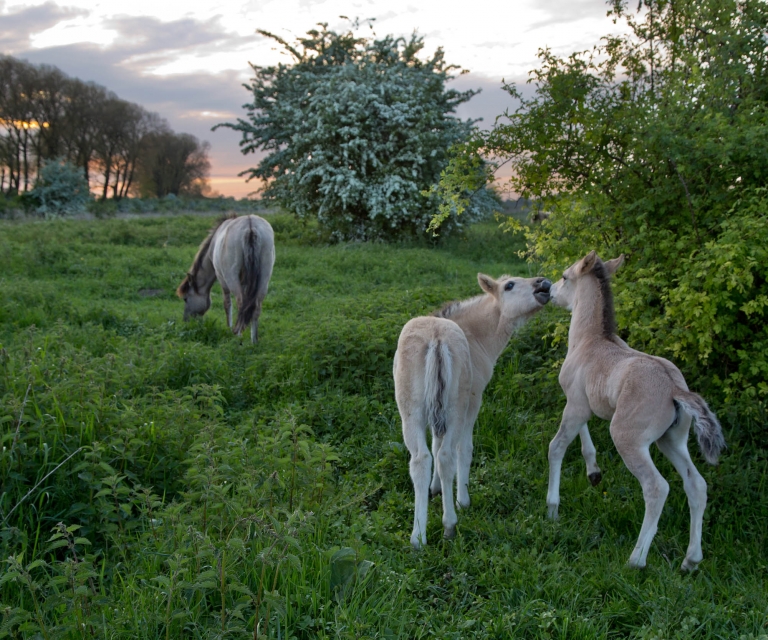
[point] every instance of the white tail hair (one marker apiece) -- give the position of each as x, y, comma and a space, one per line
438, 372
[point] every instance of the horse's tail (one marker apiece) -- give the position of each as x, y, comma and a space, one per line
708, 431
250, 279
438, 372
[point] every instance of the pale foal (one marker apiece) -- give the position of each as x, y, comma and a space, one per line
645, 398
442, 365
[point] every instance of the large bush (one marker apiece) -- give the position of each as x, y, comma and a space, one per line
655, 144
61, 189
355, 130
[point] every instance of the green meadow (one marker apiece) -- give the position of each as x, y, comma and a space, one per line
162, 479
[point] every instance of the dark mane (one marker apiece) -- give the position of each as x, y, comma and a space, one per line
452, 308
447, 310
202, 252
609, 318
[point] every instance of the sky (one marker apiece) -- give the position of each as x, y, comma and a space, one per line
187, 60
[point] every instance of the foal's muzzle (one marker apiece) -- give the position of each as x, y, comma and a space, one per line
541, 292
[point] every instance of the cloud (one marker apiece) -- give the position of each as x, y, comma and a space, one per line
17, 29
144, 34
559, 12
492, 101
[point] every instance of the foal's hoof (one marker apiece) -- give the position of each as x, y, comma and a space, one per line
449, 533
689, 566
595, 478
552, 511
417, 543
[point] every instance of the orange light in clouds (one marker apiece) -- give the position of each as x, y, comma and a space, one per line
233, 187
23, 124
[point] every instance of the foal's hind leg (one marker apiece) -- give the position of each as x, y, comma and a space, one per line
674, 445
435, 488
415, 439
632, 444
446, 469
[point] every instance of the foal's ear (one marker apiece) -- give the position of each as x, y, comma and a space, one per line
488, 284
612, 266
587, 262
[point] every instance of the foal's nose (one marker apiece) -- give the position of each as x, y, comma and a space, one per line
543, 284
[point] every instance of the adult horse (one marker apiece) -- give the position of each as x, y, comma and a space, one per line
240, 254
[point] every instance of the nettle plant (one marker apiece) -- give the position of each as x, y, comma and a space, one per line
356, 132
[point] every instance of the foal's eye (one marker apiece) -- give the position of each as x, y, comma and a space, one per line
565, 277
509, 286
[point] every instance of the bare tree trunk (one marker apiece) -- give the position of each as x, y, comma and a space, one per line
116, 183
24, 149
107, 173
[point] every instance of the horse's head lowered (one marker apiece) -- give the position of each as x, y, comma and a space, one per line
196, 302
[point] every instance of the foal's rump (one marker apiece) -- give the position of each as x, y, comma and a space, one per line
432, 364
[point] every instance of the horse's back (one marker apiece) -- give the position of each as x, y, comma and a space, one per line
616, 377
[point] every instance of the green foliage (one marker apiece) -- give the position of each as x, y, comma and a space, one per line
654, 145
61, 189
356, 132
161, 479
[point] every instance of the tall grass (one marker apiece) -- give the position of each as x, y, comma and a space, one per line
162, 479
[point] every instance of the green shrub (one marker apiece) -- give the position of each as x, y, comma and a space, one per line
60, 190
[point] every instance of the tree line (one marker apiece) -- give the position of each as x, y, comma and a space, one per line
121, 147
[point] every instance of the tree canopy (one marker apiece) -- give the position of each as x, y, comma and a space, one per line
46, 115
355, 130
655, 144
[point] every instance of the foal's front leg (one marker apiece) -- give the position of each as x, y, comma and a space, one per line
464, 451
575, 418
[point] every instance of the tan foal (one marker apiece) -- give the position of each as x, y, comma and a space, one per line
645, 398
442, 365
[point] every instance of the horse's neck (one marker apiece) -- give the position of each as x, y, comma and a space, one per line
486, 335
206, 275
587, 314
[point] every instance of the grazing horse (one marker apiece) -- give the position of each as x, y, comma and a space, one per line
239, 253
645, 398
442, 364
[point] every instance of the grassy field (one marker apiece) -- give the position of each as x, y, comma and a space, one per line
162, 479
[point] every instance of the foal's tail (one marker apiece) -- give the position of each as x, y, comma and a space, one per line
438, 372
708, 431
250, 279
